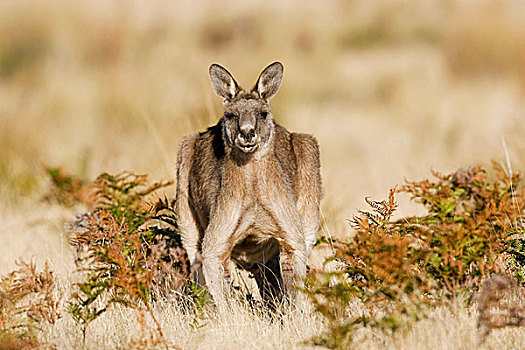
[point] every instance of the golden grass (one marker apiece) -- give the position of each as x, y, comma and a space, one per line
488, 41
390, 89
42, 236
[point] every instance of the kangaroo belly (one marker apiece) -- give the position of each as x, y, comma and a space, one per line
256, 242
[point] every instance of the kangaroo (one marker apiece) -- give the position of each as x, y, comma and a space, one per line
248, 190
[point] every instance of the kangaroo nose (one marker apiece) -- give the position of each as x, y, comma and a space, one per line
247, 131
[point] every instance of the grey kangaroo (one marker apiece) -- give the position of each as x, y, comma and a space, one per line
248, 190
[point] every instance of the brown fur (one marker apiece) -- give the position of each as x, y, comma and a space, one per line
249, 190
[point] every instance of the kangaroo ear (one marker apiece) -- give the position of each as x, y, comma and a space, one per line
222, 82
269, 81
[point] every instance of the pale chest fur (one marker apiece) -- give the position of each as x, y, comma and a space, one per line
255, 235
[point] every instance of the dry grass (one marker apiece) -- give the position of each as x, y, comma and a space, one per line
488, 41
444, 329
390, 89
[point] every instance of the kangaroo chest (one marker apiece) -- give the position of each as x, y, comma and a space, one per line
255, 235
258, 187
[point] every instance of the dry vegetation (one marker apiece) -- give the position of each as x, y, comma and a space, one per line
391, 89
400, 271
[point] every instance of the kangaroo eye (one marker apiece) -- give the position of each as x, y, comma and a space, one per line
229, 116
263, 114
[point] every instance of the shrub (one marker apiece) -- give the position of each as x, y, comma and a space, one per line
28, 301
67, 189
379, 267
396, 269
473, 226
125, 247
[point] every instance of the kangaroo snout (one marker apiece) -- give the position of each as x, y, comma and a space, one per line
247, 138
248, 144
247, 132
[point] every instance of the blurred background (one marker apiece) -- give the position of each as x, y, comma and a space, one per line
391, 89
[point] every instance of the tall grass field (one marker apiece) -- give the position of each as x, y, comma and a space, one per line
419, 110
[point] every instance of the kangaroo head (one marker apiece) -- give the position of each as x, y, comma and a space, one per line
247, 122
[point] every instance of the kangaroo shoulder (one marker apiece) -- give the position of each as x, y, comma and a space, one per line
206, 145
186, 149
305, 148
298, 154
210, 142
283, 147
306, 151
